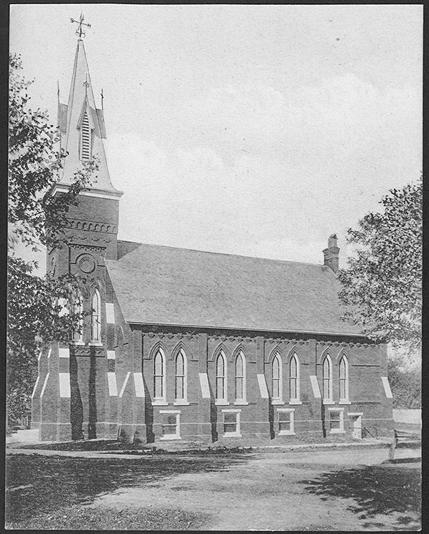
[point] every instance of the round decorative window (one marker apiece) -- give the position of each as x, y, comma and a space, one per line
86, 263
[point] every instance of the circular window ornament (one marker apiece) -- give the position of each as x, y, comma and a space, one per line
86, 263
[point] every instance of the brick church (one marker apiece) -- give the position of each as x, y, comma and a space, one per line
187, 345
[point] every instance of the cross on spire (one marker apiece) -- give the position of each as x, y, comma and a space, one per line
80, 23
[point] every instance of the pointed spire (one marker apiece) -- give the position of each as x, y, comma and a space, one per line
83, 127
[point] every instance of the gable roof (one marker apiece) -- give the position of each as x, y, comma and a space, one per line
181, 287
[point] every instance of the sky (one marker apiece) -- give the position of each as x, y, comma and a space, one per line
256, 130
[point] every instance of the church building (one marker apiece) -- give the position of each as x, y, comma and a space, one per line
188, 345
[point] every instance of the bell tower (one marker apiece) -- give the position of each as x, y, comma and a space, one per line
71, 397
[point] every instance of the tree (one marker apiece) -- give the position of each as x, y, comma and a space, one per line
405, 384
382, 284
36, 219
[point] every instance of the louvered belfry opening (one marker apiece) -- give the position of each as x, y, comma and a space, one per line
85, 141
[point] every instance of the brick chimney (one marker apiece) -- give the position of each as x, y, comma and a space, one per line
331, 255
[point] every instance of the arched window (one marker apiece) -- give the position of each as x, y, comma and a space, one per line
180, 376
240, 377
221, 377
158, 376
96, 317
344, 379
276, 378
327, 378
78, 309
85, 139
294, 378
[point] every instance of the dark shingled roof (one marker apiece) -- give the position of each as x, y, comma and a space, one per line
174, 286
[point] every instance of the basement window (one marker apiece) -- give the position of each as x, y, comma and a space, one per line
231, 423
336, 421
286, 421
170, 424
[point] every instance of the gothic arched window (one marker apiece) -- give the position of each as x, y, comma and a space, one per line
221, 377
240, 377
344, 379
327, 378
276, 383
180, 376
96, 317
158, 375
294, 378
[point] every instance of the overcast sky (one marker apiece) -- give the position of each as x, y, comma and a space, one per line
255, 130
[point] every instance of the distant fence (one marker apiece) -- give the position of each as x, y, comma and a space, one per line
413, 417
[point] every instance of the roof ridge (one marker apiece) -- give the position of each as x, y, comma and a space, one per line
218, 253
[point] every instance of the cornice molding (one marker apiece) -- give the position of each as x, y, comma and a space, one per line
92, 226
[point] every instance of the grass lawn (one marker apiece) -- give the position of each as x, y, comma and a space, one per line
295, 491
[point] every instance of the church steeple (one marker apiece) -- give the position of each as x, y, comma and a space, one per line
82, 128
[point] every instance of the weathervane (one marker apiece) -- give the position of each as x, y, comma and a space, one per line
80, 23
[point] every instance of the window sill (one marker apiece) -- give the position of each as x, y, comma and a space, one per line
337, 431
241, 403
295, 402
95, 344
159, 403
232, 435
328, 402
277, 402
344, 402
221, 403
181, 403
169, 437
287, 433
80, 343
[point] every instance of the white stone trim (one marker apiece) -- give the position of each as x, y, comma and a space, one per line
64, 385
263, 390
138, 385
35, 387
315, 387
124, 384
64, 352
110, 313
44, 385
64, 188
204, 383
111, 355
386, 386
113, 387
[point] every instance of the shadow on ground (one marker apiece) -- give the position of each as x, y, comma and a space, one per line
43, 484
389, 490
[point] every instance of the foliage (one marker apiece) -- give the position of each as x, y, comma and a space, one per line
382, 284
405, 384
35, 219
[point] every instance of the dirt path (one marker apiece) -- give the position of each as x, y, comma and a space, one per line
274, 492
